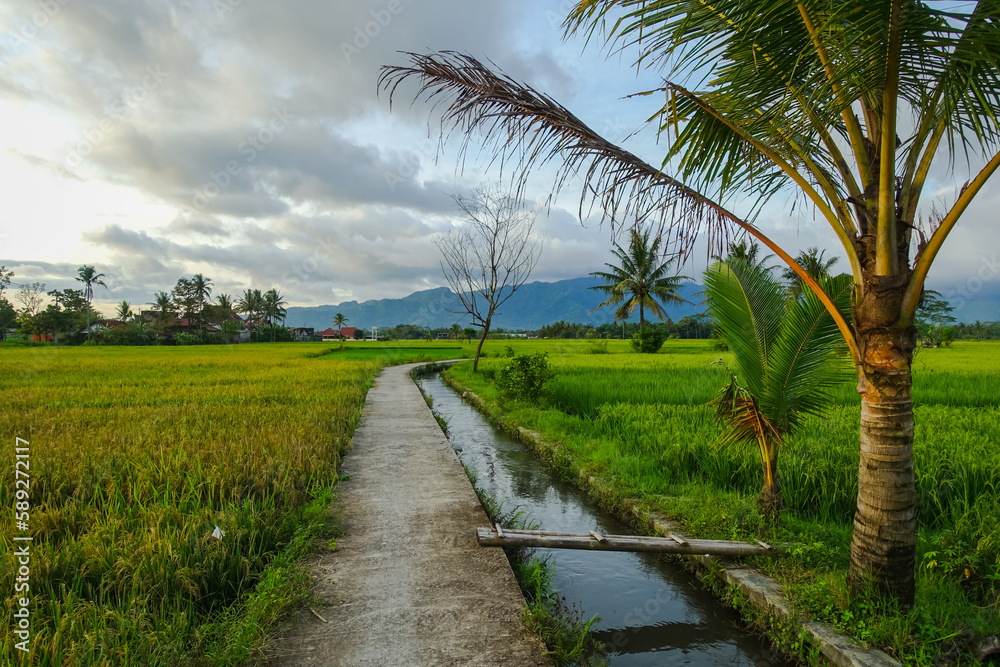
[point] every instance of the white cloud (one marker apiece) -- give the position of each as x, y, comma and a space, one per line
160, 139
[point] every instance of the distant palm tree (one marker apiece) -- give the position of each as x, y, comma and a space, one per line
788, 354
164, 306
639, 280
813, 262
455, 331
338, 321
251, 303
274, 308
749, 252
201, 290
89, 276
124, 312
225, 303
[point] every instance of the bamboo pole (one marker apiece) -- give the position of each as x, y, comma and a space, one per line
541, 539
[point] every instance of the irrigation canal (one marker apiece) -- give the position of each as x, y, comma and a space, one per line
651, 612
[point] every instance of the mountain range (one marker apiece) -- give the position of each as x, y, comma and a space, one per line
532, 306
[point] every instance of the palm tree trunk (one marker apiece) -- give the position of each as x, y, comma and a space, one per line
642, 317
883, 546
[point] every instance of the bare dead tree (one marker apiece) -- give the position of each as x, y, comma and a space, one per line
31, 296
489, 257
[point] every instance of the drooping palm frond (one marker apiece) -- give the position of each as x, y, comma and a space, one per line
747, 423
524, 129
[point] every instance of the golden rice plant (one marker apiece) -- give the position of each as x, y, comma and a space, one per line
137, 455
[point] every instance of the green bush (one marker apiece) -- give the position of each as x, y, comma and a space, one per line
647, 341
524, 376
187, 339
279, 334
598, 346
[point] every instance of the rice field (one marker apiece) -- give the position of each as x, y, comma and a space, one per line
640, 424
163, 484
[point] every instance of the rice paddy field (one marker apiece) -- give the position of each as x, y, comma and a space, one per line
170, 491
639, 423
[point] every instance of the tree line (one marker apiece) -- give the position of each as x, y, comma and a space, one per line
187, 314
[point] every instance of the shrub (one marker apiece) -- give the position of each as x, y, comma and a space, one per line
524, 376
279, 334
598, 346
187, 339
647, 341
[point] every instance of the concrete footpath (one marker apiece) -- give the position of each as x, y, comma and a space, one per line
408, 584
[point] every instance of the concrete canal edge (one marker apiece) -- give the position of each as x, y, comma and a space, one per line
761, 592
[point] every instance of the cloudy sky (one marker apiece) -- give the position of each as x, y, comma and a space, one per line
246, 140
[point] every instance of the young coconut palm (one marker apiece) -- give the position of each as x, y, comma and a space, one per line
788, 353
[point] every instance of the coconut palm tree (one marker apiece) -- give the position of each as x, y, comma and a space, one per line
339, 321
201, 290
639, 279
225, 304
89, 276
124, 312
788, 353
846, 104
815, 264
273, 308
251, 303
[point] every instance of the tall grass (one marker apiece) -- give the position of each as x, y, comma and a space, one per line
137, 454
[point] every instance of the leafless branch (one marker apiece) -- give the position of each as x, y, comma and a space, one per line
489, 257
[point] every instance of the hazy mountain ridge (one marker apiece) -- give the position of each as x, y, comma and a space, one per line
534, 305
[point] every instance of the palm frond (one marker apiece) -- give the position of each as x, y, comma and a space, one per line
748, 304
808, 357
746, 422
524, 129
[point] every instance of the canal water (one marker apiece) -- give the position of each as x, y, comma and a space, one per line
651, 612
